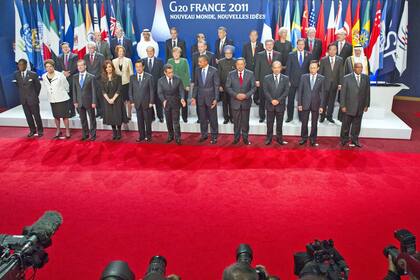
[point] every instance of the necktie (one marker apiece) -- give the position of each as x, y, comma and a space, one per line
276, 80
221, 46
66, 61
173, 44
300, 58
253, 49
332, 63
91, 59
340, 48
139, 78
311, 45
121, 42
312, 81
170, 82
150, 64
241, 80
358, 80
82, 80
269, 58
203, 76
23, 75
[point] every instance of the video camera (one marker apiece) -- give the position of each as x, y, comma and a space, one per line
19, 252
407, 259
321, 259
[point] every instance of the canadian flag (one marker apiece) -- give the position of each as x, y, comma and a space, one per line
104, 24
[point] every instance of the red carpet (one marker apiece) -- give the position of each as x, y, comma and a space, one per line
194, 204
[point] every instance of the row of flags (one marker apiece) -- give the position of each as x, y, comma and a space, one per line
385, 45
39, 33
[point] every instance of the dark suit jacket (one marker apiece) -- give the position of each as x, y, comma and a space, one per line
28, 87
105, 50
72, 64
233, 87
206, 93
225, 66
345, 52
172, 95
210, 55
311, 99
127, 44
96, 67
247, 54
141, 93
280, 93
262, 67
334, 77
355, 98
316, 49
217, 52
168, 48
156, 71
293, 70
85, 96
285, 49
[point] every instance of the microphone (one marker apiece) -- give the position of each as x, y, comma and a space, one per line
42, 230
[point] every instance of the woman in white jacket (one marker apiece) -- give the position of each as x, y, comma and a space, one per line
57, 88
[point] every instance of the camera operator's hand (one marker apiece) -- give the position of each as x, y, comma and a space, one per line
391, 265
392, 270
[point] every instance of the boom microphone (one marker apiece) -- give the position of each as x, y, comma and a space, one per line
44, 228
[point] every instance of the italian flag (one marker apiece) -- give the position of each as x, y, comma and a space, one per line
80, 37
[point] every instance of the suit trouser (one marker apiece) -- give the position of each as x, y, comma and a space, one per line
83, 119
352, 125
291, 102
172, 121
331, 97
340, 115
208, 115
278, 115
227, 109
159, 108
261, 107
184, 110
31, 113
100, 103
144, 122
314, 124
72, 108
241, 122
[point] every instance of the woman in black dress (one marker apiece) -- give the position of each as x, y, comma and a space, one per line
114, 114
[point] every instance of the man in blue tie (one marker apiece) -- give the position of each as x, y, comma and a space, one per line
297, 65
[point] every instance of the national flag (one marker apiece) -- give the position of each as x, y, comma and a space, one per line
296, 27
267, 32
320, 27
46, 39
373, 48
95, 18
119, 17
36, 48
89, 25
278, 21
382, 37
355, 30
80, 36
26, 32
40, 57
312, 21
365, 33
54, 36
112, 20
129, 25
305, 19
68, 26
329, 38
104, 24
286, 23
338, 18
20, 45
347, 23
402, 44
60, 22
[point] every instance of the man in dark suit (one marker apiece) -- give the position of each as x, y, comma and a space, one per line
225, 66
121, 40
355, 100
154, 66
297, 65
94, 62
173, 42
29, 88
313, 45
205, 95
84, 99
263, 63
102, 46
240, 85
171, 93
332, 68
221, 42
67, 63
311, 99
251, 49
142, 94
344, 49
200, 37
276, 89
202, 49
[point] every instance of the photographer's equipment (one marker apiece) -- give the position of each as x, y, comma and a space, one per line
321, 259
20, 252
406, 260
156, 269
242, 268
117, 270
244, 253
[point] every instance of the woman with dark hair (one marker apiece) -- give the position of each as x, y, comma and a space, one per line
57, 88
114, 114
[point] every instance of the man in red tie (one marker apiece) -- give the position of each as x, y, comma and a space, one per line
94, 62
313, 45
240, 85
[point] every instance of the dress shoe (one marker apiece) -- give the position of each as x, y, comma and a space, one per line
261, 120
322, 119
213, 140
343, 143
68, 136
118, 136
231, 120
246, 141
84, 137
40, 133
357, 144
31, 134
314, 144
148, 139
330, 120
139, 139
93, 138
281, 142
225, 121
302, 142
161, 120
202, 139
169, 140
267, 141
185, 120
57, 136
178, 141
235, 141
198, 121
288, 120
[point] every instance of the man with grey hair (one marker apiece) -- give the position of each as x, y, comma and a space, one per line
154, 66
94, 62
221, 42
251, 49
121, 40
313, 45
225, 66
102, 46
344, 49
